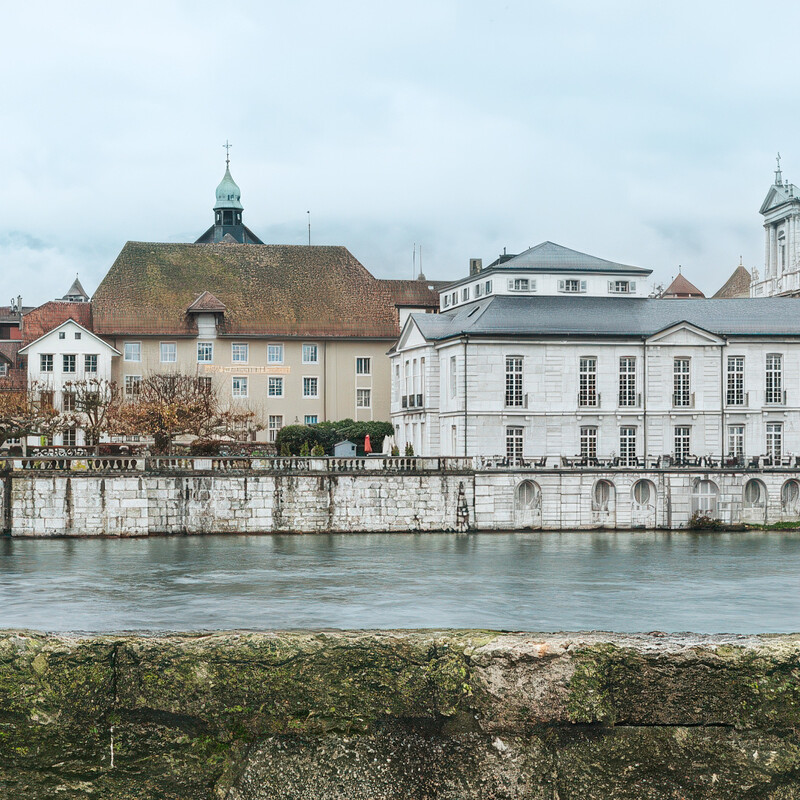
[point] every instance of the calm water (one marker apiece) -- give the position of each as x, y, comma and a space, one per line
736, 583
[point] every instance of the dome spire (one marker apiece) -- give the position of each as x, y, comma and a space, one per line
227, 147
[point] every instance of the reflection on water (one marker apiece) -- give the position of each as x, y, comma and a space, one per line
709, 582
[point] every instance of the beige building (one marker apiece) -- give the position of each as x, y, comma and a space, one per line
297, 334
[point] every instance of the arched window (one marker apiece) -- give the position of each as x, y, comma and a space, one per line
790, 495
602, 495
528, 496
755, 494
704, 497
643, 493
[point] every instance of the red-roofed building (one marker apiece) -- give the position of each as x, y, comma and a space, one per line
683, 289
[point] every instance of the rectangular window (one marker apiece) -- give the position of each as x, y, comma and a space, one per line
310, 386
275, 423
204, 384
133, 351
275, 354
514, 396
683, 435
3, 368
132, 385
774, 439
514, 436
275, 386
488, 287
620, 287
239, 387
627, 381
446, 301
465, 294
572, 285
310, 419
168, 352
62, 334
478, 289
774, 379
240, 352
46, 362
518, 285
396, 383
587, 381
205, 352
77, 334
363, 398
90, 363
363, 366
681, 389
734, 395
736, 440
588, 442
310, 354
68, 401
627, 446
70, 437
46, 399
453, 377
69, 363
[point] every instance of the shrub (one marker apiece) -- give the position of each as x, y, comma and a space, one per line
702, 522
305, 450
327, 434
409, 449
317, 450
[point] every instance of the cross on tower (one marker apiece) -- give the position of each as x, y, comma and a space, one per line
778, 176
227, 147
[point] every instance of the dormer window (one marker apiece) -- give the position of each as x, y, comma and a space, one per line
478, 290
446, 301
572, 286
465, 294
621, 287
521, 285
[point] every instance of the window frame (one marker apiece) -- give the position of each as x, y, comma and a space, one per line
360, 393
138, 346
627, 382
734, 381
43, 362
306, 346
161, 359
237, 349
132, 385
773, 379
279, 383
588, 441
588, 396
278, 346
243, 384
74, 370
360, 364
86, 362
682, 382
307, 395
274, 424
515, 390
210, 346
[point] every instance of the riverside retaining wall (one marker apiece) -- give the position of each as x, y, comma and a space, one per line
138, 502
457, 715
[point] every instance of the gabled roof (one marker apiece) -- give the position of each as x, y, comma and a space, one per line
50, 315
267, 290
738, 285
206, 302
420, 293
507, 315
63, 324
680, 287
551, 257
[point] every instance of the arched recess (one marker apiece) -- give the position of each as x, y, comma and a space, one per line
644, 500
754, 502
790, 499
604, 504
528, 505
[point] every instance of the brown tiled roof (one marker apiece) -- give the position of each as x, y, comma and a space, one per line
420, 293
276, 290
206, 302
738, 285
680, 287
38, 322
14, 378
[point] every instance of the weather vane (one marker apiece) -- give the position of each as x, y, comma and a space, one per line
227, 147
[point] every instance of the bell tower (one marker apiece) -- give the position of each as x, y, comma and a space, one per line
228, 227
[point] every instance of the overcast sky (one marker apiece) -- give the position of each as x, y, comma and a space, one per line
639, 132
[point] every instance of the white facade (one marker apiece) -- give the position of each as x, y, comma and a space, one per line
781, 212
67, 354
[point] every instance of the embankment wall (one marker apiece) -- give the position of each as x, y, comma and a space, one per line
458, 715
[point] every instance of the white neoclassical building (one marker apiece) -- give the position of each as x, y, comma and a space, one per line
601, 372
781, 212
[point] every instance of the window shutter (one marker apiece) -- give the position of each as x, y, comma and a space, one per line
583, 286
533, 286
561, 286
611, 286
510, 285
632, 286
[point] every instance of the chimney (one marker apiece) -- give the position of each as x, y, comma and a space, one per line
475, 265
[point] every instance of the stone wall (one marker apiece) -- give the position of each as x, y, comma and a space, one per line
459, 715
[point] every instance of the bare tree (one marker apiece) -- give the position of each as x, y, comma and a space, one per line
174, 404
28, 412
95, 405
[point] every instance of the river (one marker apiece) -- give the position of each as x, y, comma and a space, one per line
599, 580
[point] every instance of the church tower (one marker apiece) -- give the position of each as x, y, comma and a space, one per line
781, 212
228, 227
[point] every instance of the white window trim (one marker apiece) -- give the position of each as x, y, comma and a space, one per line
364, 374
246, 353
125, 353
364, 389
246, 383
303, 352
210, 360
303, 384
161, 358
282, 385
283, 355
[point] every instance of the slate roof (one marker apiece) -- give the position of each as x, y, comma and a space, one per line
738, 285
505, 315
552, 257
38, 322
267, 290
75, 290
681, 287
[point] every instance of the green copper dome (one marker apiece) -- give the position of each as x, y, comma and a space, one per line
228, 193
